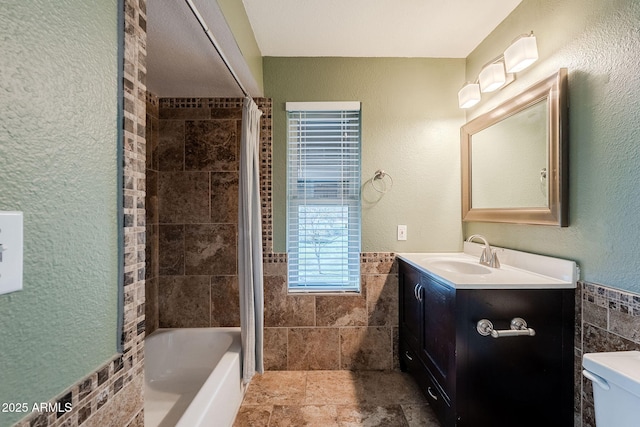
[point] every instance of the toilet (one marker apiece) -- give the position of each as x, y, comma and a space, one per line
616, 387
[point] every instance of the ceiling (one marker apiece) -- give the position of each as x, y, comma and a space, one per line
181, 62
374, 28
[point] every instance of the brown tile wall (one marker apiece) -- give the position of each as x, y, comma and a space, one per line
113, 394
607, 319
196, 161
356, 332
152, 267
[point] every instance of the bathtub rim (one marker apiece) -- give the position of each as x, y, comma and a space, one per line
197, 409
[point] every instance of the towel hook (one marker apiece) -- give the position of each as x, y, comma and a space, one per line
380, 175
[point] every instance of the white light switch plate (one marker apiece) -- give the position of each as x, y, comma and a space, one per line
11, 256
402, 232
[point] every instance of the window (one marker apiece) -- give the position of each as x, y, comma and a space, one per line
323, 196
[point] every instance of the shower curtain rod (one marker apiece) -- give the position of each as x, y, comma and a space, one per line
216, 46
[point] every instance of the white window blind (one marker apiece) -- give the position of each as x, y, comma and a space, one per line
323, 196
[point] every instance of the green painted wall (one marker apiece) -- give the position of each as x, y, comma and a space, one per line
410, 129
238, 21
599, 42
58, 136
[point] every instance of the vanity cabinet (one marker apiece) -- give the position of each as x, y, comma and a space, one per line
475, 380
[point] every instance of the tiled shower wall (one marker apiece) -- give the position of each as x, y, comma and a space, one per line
152, 270
192, 166
193, 193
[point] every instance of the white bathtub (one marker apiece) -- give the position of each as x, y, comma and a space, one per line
192, 377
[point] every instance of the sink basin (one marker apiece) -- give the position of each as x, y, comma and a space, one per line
518, 270
458, 266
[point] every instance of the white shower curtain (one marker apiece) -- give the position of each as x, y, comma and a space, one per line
250, 243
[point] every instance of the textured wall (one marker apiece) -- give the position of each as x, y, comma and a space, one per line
237, 19
109, 391
58, 103
410, 128
599, 42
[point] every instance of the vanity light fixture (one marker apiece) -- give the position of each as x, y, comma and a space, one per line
522, 53
492, 77
469, 95
500, 72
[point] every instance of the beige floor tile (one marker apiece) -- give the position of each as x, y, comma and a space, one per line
388, 388
332, 387
371, 416
253, 416
420, 416
334, 398
277, 388
304, 415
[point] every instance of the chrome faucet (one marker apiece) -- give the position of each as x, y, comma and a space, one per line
489, 257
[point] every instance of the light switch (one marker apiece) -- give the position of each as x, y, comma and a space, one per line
402, 232
10, 252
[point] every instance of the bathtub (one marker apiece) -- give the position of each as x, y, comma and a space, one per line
192, 377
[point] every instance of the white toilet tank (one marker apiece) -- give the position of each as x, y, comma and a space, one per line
616, 387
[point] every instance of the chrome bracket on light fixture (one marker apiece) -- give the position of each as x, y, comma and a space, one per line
493, 76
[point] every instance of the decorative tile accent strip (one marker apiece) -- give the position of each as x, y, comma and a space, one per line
204, 102
181, 103
266, 194
367, 257
152, 100
614, 299
275, 258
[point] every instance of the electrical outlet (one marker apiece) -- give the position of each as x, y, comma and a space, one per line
402, 232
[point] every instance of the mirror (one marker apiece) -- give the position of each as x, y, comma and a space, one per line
515, 158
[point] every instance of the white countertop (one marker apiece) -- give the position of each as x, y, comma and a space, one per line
518, 270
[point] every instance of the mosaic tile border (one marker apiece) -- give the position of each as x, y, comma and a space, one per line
203, 102
614, 299
275, 258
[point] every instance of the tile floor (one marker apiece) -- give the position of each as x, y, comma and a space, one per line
334, 398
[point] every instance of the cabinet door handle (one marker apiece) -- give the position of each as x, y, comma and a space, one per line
432, 394
416, 292
406, 353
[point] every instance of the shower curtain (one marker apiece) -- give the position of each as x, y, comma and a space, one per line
250, 243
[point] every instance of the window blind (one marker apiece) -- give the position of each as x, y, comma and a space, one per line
323, 196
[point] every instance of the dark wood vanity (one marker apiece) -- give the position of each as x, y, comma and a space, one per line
481, 381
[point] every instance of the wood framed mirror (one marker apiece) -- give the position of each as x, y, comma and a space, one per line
515, 158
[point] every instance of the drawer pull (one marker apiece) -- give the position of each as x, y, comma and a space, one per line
432, 394
416, 291
518, 328
406, 354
